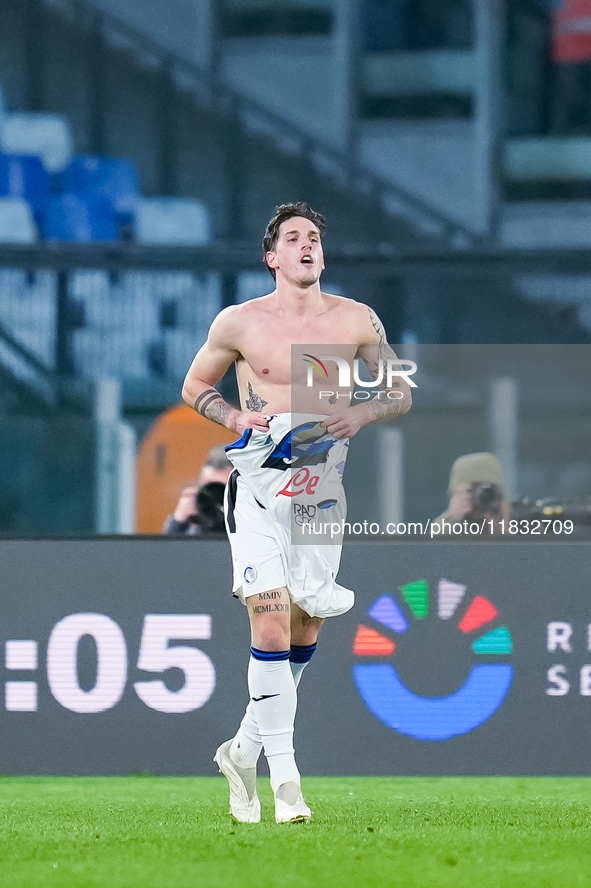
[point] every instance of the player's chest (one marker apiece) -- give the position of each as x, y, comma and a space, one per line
275, 352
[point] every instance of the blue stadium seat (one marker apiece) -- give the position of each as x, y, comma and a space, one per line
110, 178
46, 135
73, 217
24, 177
17, 225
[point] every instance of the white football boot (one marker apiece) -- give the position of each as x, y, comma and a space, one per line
290, 806
244, 801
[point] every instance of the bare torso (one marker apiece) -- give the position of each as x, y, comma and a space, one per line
273, 344
279, 344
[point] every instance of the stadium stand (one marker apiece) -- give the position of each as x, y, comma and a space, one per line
111, 178
181, 221
97, 196
78, 217
189, 165
24, 177
17, 223
47, 136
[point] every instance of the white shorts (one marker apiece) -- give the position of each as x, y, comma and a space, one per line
259, 564
260, 530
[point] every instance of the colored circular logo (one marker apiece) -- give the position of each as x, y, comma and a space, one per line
250, 574
476, 635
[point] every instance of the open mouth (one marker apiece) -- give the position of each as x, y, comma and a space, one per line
307, 260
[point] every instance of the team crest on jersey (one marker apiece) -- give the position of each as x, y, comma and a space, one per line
250, 575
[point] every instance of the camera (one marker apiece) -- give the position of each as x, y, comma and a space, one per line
486, 499
209, 504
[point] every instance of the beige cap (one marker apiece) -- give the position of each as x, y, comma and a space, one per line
475, 467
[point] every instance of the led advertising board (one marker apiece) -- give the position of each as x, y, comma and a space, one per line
130, 655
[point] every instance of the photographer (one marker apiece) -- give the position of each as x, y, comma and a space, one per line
199, 510
475, 492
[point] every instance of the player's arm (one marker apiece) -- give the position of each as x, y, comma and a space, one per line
395, 399
389, 401
209, 365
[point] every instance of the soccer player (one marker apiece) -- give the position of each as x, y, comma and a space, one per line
286, 613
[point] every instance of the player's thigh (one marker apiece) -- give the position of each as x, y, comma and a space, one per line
304, 628
270, 619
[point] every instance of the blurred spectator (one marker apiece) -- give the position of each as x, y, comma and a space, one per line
200, 509
475, 493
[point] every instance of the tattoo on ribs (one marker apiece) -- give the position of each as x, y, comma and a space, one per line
269, 608
255, 403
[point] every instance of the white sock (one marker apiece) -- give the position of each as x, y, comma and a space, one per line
247, 744
273, 695
299, 658
296, 671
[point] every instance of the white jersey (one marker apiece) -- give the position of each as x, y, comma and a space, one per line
285, 511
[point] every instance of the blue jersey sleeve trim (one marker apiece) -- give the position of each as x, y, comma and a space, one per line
241, 443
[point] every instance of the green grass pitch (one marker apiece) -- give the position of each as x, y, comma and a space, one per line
162, 832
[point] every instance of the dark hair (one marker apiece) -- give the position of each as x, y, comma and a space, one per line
282, 214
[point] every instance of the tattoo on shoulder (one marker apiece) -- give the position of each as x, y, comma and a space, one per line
388, 407
255, 403
384, 350
377, 325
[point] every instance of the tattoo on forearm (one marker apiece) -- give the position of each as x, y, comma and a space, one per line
206, 396
389, 407
219, 412
255, 403
269, 608
211, 405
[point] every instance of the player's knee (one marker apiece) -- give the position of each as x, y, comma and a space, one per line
271, 635
270, 630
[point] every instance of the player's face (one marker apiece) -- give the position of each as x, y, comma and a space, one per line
298, 255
